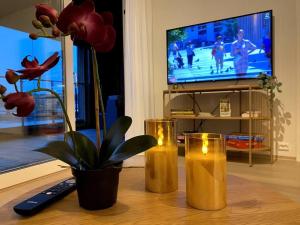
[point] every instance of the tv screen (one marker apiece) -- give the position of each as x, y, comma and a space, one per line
228, 49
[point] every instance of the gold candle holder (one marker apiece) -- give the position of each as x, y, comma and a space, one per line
161, 173
206, 176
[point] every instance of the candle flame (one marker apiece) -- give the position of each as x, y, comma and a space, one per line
160, 134
204, 143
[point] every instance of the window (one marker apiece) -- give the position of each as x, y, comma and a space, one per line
20, 136
79, 91
83, 84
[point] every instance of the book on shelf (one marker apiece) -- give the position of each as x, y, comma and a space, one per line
254, 114
241, 141
180, 138
242, 144
225, 109
238, 141
205, 114
182, 112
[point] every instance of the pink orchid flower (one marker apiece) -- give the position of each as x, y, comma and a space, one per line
33, 69
84, 23
22, 100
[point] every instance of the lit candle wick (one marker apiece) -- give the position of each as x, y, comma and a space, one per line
204, 150
160, 134
204, 143
160, 141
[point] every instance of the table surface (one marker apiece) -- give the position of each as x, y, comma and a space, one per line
248, 203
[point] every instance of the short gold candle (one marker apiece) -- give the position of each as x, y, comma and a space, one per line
206, 176
161, 171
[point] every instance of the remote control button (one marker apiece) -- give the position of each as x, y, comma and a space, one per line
72, 181
49, 193
32, 202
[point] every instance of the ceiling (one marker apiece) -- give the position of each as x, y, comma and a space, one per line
9, 6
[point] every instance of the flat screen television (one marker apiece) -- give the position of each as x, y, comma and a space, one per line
228, 49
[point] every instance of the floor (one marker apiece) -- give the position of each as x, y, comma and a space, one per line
282, 176
17, 152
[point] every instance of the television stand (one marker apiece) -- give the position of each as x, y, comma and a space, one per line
243, 99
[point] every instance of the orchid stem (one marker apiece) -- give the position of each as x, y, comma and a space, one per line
44, 31
60, 101
46, 36
39, 83
65, 113
65, 34
95, 64
98, 132
96, 93
16, 87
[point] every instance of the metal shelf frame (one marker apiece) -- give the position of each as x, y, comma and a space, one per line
250, 89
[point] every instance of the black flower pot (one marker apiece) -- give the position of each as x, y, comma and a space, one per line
97, 189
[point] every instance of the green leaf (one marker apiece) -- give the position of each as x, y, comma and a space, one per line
130, 148
84, 147
60, 150
114, 137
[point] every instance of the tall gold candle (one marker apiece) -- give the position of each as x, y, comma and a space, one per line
206, 183
161, 172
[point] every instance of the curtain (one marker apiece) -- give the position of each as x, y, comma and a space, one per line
139, 81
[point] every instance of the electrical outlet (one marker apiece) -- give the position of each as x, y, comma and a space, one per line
283, 146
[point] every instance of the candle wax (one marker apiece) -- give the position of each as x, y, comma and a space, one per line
161, 169
206, 180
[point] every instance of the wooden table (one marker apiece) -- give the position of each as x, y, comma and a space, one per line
248, 203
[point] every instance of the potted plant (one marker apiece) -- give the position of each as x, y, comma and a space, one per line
271, 85
95, 167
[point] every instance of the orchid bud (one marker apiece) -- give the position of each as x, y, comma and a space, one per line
45, 9
55, 32
45, 20
11, 77
2, 89
33, 36
37, 24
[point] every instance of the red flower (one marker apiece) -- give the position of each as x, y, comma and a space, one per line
83, 23
11, 77
22, 100
2, 89
33, 69
46, 10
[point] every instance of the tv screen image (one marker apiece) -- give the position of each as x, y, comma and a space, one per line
234, 48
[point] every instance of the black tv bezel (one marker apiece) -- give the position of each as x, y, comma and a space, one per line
213, 21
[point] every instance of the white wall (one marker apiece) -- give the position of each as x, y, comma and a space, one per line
174, 13
298, 80
21, 19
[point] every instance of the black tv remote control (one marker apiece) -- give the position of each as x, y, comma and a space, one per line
40, 201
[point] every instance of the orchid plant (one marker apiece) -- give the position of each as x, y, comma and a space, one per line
79, 20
